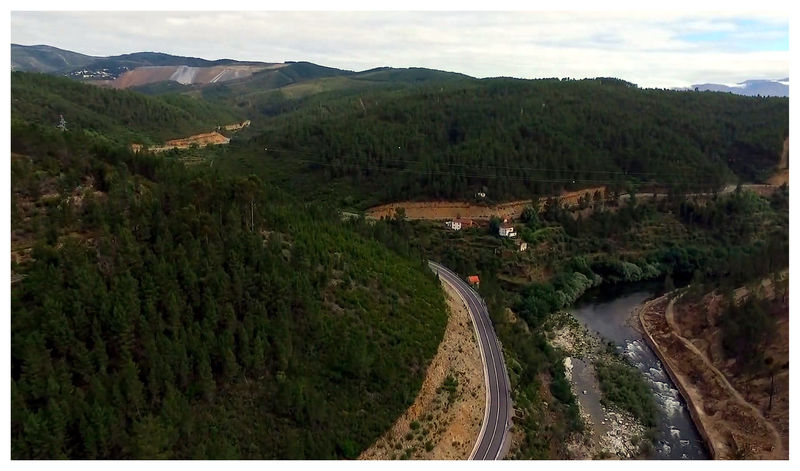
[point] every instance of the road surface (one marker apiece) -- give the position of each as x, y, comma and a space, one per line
492, 443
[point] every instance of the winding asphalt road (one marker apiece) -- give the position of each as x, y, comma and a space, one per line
492, 443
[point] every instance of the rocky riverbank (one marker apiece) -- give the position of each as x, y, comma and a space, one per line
609, 433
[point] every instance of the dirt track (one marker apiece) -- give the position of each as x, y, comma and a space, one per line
448, 210
731, 426
200, 140
781, 175
442, 210
439, 210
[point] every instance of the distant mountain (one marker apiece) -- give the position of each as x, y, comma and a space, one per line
409, 75
130, 70
748, 87
156, 73
46, 59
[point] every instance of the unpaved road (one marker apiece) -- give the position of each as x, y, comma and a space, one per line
512, 210
440, 210
731, 426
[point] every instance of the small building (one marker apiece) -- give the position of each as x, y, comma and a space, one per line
521, 245
507, 230
480, 194
473, 280
454, 225
465, 223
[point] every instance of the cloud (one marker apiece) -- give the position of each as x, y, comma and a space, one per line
656, 49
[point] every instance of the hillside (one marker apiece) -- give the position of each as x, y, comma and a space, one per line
272, 92
46, 59
244, 84
516, 138
172, 312
120, 116
265, 81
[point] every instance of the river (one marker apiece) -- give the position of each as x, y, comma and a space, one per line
607, 313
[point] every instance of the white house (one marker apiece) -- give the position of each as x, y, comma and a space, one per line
454, 225
507, 230
521, 245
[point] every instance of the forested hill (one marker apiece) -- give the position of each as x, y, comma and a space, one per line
518, 137
118, 115
172, 312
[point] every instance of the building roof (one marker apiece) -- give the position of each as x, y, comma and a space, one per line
473, 279
507, 226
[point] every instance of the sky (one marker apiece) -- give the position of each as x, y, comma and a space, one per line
650, 48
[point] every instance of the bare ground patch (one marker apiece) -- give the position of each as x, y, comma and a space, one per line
440, 210
444, 421
781, 175
733, 424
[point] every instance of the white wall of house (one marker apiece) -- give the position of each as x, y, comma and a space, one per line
507, 232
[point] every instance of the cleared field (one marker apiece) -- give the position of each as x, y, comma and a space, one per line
440, 210
187, 75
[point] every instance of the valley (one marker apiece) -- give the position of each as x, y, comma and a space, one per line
187, 289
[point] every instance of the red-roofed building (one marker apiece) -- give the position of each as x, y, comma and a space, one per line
474, 280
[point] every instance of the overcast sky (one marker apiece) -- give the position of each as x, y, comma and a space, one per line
652, 49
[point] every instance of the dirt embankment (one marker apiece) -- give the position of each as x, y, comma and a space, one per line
732, 424
436, 210
781, 175
203, 139
439, 210
444, 421
443, 210
199, 140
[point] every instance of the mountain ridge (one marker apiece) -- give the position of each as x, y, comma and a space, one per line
752, 87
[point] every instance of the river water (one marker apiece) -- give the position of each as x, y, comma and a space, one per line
607, 313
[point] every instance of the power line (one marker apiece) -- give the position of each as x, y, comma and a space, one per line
501, 177
692, 176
